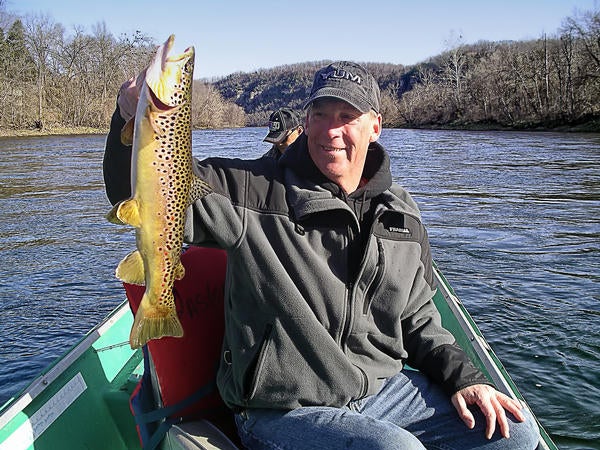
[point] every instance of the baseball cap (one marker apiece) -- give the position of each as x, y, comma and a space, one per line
281, 122
347, 81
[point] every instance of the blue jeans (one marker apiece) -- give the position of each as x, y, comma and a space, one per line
409, 412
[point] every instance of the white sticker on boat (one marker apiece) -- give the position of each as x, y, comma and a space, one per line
28, 432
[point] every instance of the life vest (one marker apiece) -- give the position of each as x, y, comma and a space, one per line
185, 368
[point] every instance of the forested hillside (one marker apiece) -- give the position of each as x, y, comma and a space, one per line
260, 92
553, 81
51, 78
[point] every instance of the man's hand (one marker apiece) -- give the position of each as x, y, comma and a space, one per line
492, 404
129, 94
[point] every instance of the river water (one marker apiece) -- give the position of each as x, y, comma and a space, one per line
513, 218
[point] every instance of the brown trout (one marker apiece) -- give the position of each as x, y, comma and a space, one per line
163, 186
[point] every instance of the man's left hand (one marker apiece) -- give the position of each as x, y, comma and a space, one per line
493, 405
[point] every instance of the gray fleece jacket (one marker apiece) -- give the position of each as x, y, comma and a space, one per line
326, 294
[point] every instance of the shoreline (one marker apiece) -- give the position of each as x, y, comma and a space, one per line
51, 131
590, 127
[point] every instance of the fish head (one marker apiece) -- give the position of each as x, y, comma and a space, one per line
169, 77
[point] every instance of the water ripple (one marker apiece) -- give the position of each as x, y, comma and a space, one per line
513, 218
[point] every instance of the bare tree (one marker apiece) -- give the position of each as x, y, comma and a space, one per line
42, 38
455, 69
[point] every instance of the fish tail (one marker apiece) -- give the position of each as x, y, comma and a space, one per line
153, 323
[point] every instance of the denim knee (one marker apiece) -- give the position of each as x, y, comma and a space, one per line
524, 435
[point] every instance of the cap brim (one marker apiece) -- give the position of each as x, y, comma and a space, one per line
275, 137
362, 106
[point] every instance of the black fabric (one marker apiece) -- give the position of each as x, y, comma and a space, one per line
449, 366
117, 162
378, 179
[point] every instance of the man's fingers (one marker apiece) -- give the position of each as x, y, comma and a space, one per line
513, 406
493, 406
463, 412
501, 417
487, 408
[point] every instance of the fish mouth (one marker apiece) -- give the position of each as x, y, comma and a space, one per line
187, 54
168, 46
165, 75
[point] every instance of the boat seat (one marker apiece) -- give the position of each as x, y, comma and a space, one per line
197, 435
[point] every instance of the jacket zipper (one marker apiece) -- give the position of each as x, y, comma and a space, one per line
377, 280
253, 386
348, 298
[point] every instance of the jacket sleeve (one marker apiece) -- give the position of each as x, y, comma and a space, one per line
117, 162
431, 348
449, 366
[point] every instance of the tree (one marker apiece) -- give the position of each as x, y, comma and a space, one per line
210, 110
455, 70
42, 38
16, 74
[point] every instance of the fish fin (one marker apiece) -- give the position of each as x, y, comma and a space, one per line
125, 212
128, 212
127, 132
113, 217
179, 272
131, 269
153, 323
199, 189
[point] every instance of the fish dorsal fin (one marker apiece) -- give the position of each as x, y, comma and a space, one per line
127, 132
131, 269
128, 212
199, 189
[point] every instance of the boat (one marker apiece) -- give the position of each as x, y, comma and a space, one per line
83, 399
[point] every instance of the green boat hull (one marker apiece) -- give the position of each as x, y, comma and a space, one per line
82, 400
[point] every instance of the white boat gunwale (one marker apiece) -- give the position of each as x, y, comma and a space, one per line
45, 379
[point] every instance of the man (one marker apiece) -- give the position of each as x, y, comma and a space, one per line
329, 294
285, 125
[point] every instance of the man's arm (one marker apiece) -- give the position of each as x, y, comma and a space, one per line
117, 162
117, 156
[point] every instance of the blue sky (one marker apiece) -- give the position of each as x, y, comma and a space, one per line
235, 35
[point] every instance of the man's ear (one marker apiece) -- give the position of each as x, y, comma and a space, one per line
376, 130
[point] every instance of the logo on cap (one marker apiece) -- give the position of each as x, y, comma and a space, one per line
274, 126
341, 73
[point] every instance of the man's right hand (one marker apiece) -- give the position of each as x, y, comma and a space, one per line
129, 94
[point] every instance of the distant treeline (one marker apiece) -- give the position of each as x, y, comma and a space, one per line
49, 78
550, 82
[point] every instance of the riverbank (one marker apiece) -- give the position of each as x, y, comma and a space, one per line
590, 126
50, 131
587, 125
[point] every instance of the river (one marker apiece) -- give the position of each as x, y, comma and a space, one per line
513, 218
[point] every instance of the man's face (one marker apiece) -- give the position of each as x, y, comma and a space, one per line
338, 139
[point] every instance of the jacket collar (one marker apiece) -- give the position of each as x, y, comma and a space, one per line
376, 171
309, 191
